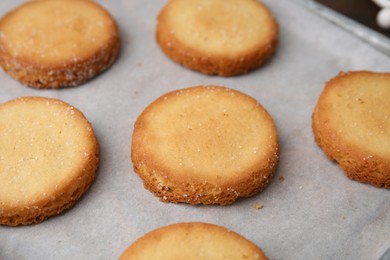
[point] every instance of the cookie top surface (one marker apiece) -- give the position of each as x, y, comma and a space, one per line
355, 107
193, 241
205, 133
45, 145
219, 27
55, 32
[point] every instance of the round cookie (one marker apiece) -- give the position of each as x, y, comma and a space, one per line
48, 158
223, 37
57, 43
351, 123
205, 145
193, 241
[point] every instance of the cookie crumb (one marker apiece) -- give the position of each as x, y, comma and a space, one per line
281, 178
259, 206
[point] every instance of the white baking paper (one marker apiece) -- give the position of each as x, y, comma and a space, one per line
315, 213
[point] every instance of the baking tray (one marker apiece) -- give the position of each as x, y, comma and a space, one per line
362, 11
315, 213
362, 25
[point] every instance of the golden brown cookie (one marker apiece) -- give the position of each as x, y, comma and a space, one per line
223, 37
351, 123
48, 158
193, 241
205, 144
57, 43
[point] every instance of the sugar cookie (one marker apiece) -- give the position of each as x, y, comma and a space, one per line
57, 43
48, 158
351, 123
193, 241
223, 37
205, 144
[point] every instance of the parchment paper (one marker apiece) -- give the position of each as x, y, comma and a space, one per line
315, 213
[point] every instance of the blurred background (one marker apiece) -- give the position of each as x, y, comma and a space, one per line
362, 11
